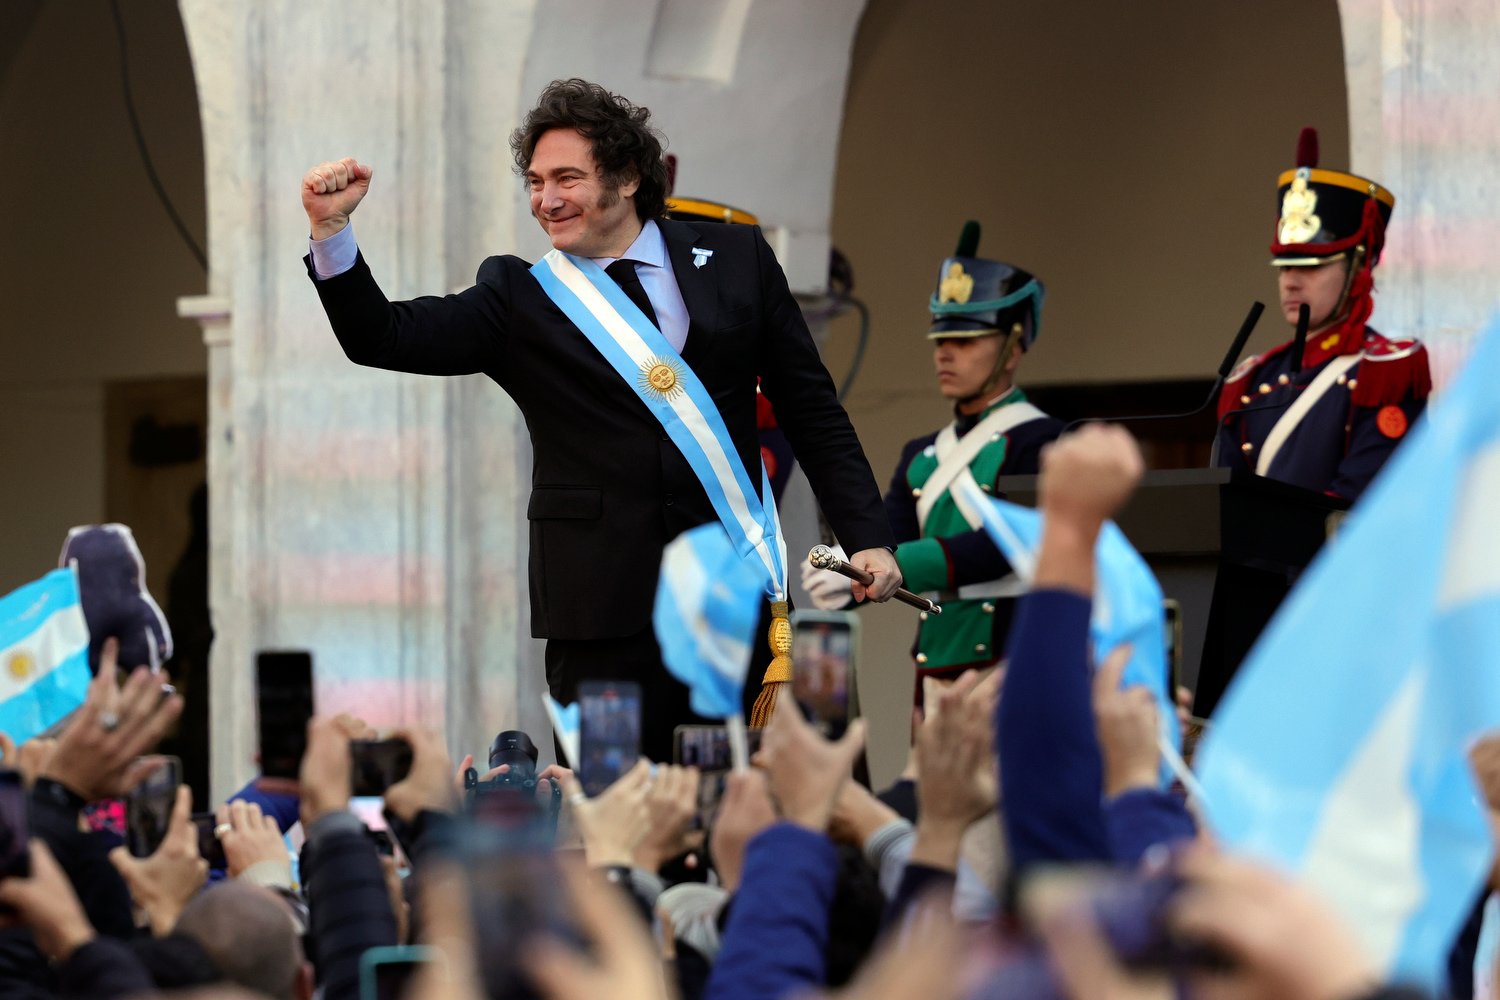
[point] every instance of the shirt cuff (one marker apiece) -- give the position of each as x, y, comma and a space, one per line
271, 874
335, 255
881, 841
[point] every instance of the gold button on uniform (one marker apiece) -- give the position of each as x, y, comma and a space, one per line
987, 608
981, 647
921, 657
916, 491
1247, 447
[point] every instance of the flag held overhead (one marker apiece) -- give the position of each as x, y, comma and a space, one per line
1339, 751
707, 605
44, 655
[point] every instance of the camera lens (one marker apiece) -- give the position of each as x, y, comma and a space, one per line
515, 748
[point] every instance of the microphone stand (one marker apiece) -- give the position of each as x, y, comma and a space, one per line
1225, 367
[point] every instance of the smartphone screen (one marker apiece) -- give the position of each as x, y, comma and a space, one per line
823, 646
609, 732
707, 748
703, 747
15, 828
284, 704
148, 808
376, 765
386, 972
210, 847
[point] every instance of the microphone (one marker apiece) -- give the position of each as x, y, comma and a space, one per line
822, 557
1304, 316
1225, 367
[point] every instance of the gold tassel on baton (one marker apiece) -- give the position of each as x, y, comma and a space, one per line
780, 671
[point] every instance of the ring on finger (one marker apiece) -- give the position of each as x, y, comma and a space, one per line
222, 829
110, 721
576, 798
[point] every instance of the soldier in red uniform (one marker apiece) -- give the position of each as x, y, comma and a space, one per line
1325, 411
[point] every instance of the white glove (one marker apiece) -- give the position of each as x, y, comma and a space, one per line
829, 591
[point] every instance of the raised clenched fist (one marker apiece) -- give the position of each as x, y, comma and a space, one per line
330, 192
1089, 474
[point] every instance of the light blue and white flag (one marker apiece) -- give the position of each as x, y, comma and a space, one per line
1127, 599
44, 655
1339, 750
707, 605
566, 725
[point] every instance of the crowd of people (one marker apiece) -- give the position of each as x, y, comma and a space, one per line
1084, 878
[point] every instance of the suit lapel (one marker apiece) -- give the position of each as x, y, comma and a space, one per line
699, 285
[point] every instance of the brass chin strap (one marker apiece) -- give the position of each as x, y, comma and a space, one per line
991, 384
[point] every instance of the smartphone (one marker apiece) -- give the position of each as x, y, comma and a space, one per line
385, 844
284, 704
1171, 615
707, 748
148, 808
376, 765
515, 895
385, 972
609, 732
823, 652
210, 847
15, 828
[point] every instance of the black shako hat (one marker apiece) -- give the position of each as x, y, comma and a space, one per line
977, 297
1324, 214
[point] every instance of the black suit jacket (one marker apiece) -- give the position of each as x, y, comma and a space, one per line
609, 489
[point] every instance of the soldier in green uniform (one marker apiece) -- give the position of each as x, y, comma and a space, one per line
985, 317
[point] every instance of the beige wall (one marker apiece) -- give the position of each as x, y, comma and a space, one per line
90, 266
1125, 153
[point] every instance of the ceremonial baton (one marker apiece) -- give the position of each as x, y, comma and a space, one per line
822, 557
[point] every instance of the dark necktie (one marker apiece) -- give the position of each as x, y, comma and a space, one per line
623, 272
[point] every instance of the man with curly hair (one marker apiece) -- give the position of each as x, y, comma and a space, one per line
633, 350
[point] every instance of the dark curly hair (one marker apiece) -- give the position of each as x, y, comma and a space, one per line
626, 147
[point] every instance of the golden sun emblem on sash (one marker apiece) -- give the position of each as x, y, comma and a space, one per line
660, 377
1298, 223
956, 285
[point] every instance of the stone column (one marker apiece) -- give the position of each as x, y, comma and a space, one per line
1423, 120
376, 519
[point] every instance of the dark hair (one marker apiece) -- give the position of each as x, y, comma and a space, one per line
625, 146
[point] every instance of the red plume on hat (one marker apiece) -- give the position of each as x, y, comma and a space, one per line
1307, 147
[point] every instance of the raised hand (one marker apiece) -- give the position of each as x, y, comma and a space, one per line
164, 883
1088, 475
807, 771
96, 756
672, 802
331, 191
1127, 725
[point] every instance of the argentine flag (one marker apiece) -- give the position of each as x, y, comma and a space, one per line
1127, 599
44, 655
707, 605
1339, 750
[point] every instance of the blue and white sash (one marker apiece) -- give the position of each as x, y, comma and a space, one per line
672, 392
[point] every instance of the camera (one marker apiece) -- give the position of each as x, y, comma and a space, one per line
510, 798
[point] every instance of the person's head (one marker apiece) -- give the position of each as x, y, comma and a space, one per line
250, 935
1330, 230
971, 368
985, 315
1321, 287
594, 167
